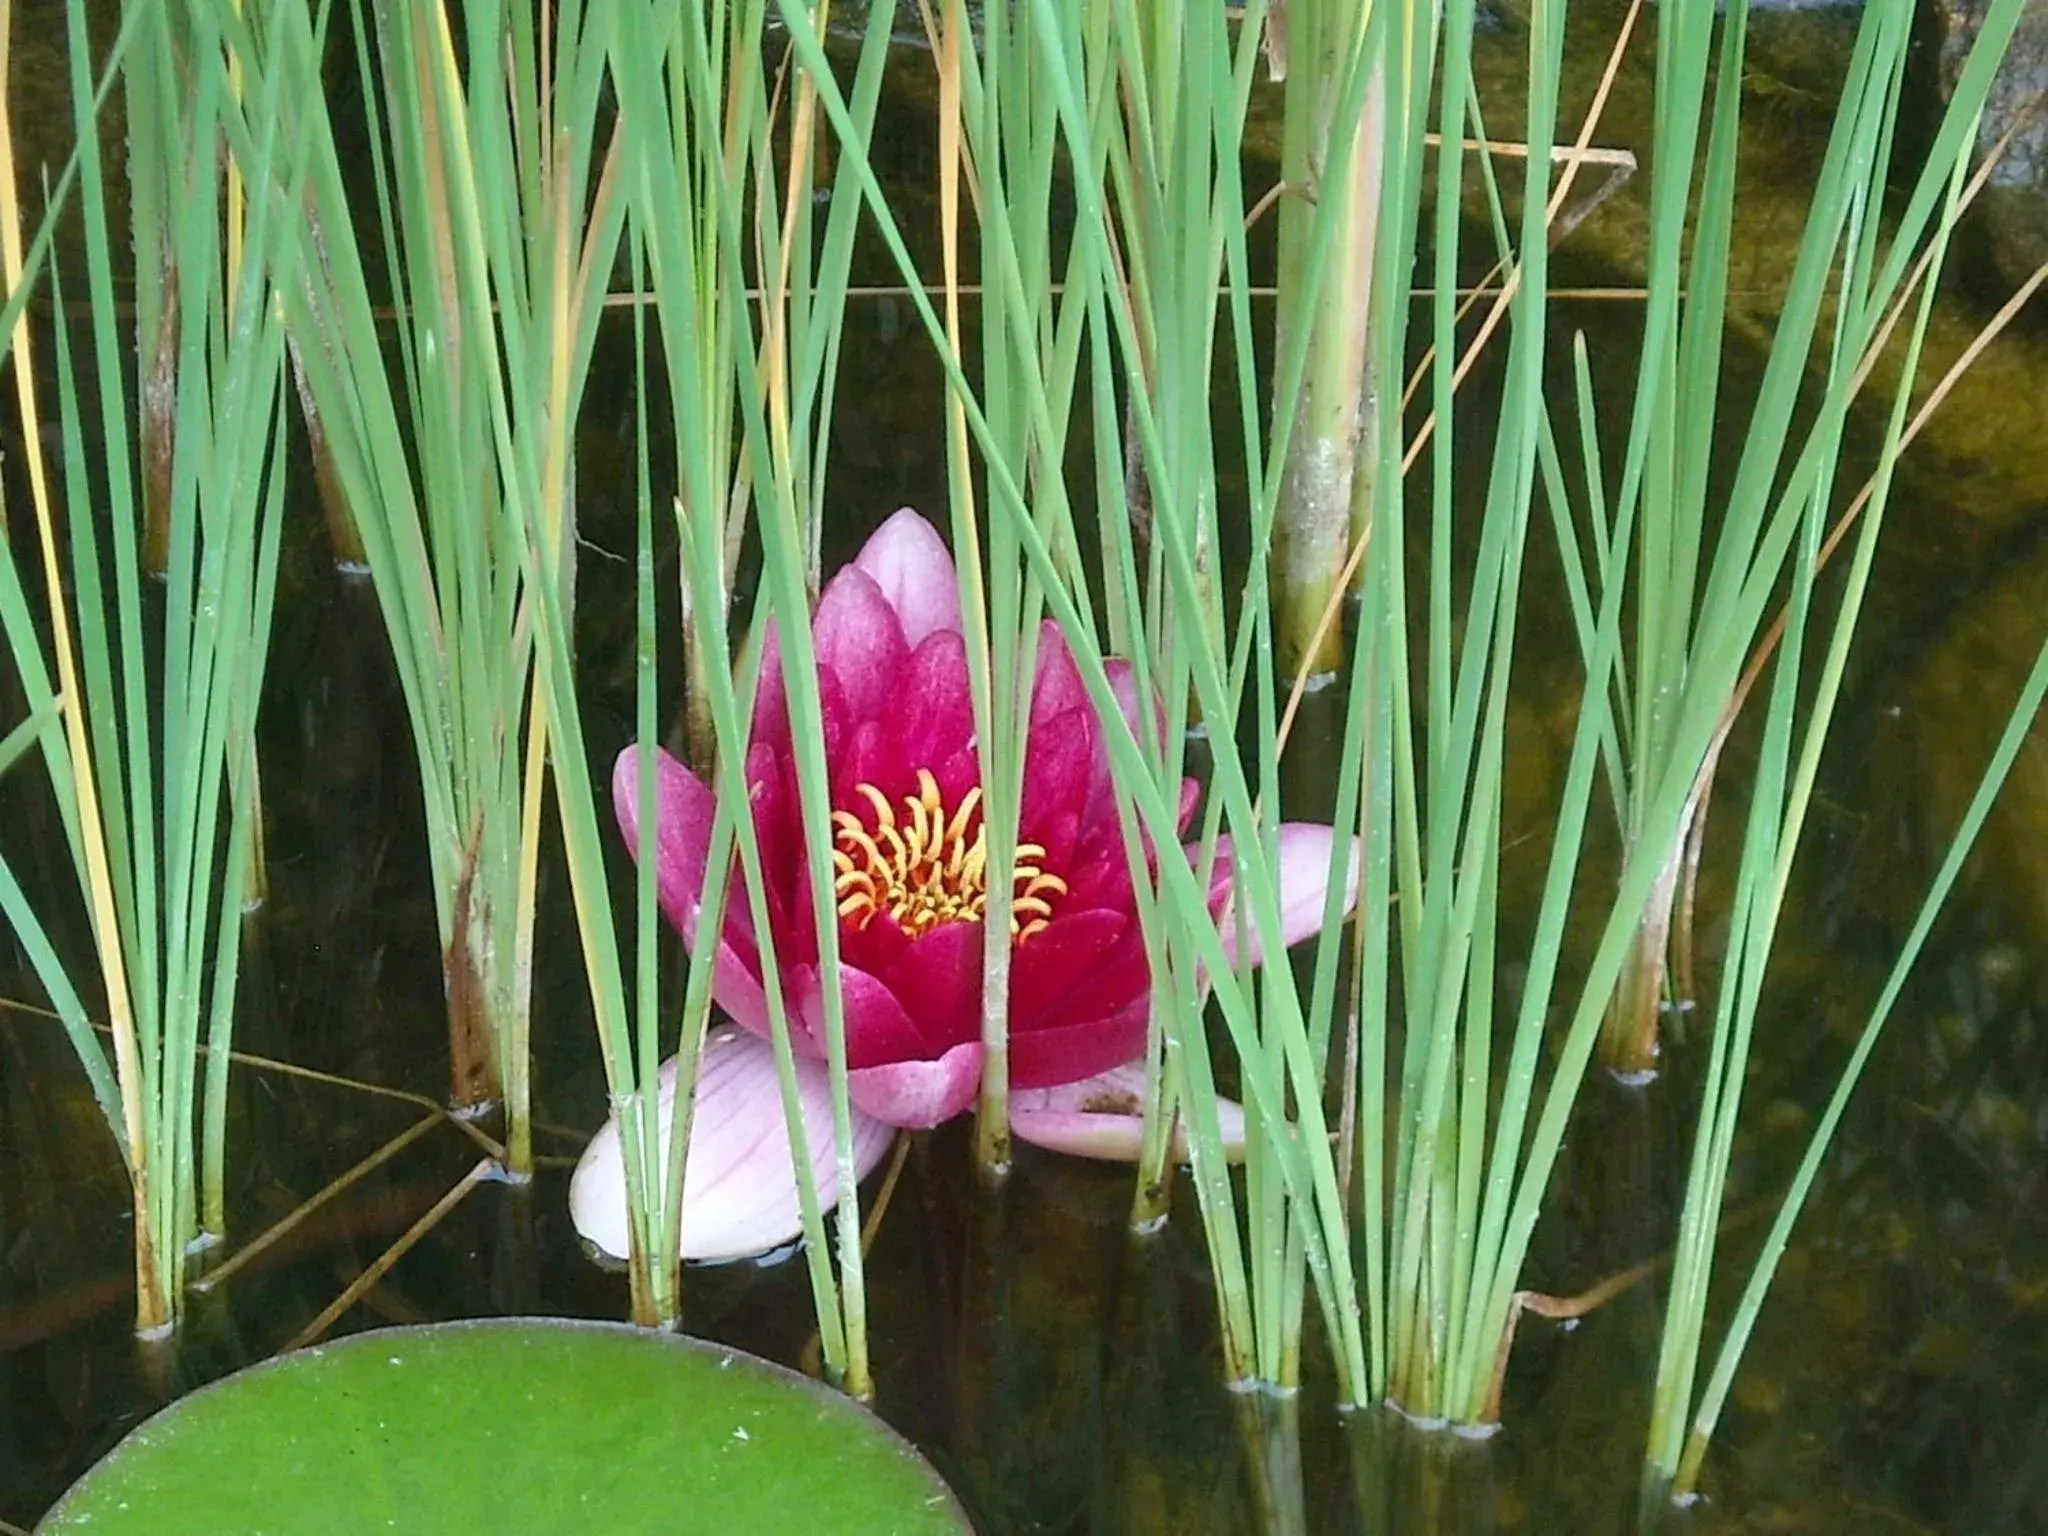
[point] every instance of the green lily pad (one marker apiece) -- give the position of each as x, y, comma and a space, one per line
513, 1426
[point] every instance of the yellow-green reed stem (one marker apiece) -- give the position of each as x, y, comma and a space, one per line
155, 1305
1314, 530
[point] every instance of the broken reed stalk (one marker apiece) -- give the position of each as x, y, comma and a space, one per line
1326, 494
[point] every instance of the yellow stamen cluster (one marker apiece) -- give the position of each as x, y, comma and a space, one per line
924, 868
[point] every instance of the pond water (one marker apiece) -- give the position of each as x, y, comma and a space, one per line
1061, 1375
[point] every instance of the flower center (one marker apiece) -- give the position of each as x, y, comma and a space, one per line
924, 867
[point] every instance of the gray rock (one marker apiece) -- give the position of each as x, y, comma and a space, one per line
2013, 207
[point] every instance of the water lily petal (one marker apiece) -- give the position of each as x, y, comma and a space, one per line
771, 704
1056, 685
936, 979
874, 945
1064, 959
1058, 833
917, 1094
1098, 874
683, 807
683, 812
1304, 875
872, 755
877, 1028
937, 713
910, 564
1057, 762
1068, 1052
739, 1186
1123, 682
858, 636
778, 829
1101, 1117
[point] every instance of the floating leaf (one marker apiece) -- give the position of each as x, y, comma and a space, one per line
513, 1426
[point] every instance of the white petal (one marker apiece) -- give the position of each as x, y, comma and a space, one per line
739, 1187
1100, 1117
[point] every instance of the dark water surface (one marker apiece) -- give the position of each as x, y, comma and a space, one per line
1062, 1376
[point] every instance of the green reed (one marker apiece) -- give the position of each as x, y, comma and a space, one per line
1406, 1107
153, 767
1414, 1240
1464, 1209
1167, 597
999, 131
494, 233
749, 300
1872, 290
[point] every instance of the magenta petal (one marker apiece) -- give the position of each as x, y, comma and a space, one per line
1101, 1117
936, 979
1058, 834
1056, 687
957, 774
874, 946
878, 1031
778, 831
937, 708
683, 809
739, 1184
1304, 876
1099, 875
909, 563
872, 755
683, 812
1065, 958
1057, 760
1066, 1053
771, 705
917, 1094
860, 639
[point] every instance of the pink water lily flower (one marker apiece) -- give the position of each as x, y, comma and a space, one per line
912, 872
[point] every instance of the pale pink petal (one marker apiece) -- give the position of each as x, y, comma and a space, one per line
739, 1185
1123, 684
910, 563
858, 637
917, 1094
1304, 877
1101, 1117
